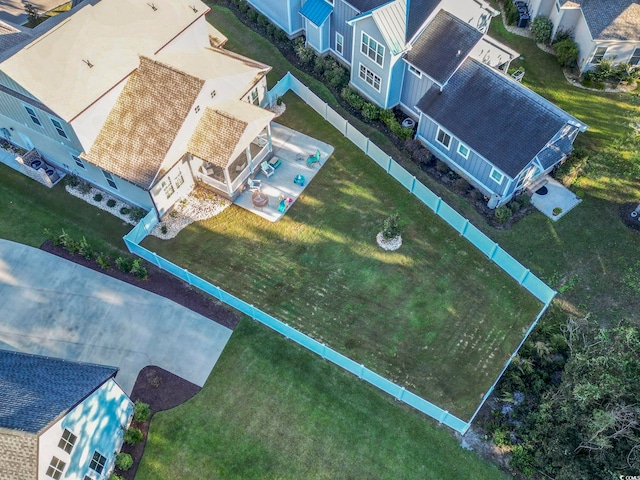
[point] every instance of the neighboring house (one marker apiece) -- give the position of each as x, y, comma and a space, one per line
434, 59
59, 419
602, 29
139, 99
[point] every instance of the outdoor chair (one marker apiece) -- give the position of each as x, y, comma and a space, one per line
254, 185
314, 159
267, 169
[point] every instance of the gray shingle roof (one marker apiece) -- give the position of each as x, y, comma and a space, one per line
495, 116
611, 19
366, 5
443, 46
553, 153
417, 12
35, 390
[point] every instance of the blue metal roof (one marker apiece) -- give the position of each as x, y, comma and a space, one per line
35, 390
316, 11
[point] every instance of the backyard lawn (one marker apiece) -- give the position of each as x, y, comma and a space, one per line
271, 409
436, 316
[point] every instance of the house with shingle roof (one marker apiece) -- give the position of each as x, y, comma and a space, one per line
121, 93
59, 419
607, 30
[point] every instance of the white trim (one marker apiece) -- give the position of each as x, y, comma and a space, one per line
110, 180
373, 77
37, 120
440, 129
368, 49
495, 170
414, 70
338, 34
460, 144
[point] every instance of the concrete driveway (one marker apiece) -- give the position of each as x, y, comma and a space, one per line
49, 306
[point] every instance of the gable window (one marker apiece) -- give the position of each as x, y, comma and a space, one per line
372, 49
463, 150
79, 162
58, 126
339, 43
179, 180
635, 57
110, 180
32, 114
56, 467
599, 54
496, 176
67, 441
254, 96
167, 186
415, 71
97, 462
443, 138
370, 77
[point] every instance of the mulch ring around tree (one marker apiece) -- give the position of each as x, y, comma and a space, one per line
162, 390
625, 213
161, 283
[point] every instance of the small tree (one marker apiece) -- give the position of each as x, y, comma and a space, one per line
141, 411
132, 436
390, 228
567, 52
541, 29
124, 461
32, 14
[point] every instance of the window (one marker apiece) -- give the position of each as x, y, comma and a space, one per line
339, 43
557, 6
32, 113
78, 161
167, 186
254, 96
97, 462
370, 77
496, 176
372, 49
67, 441
443, 138
463, 150
415, 71
110, 180
58, 126
56, 467
179, 180
635, 57
599, 54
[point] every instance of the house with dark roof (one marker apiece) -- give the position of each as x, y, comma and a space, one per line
59, 419
603, 30
152, 105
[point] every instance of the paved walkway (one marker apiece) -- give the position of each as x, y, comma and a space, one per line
50, 306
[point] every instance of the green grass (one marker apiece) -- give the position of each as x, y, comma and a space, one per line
436, 316
271, 409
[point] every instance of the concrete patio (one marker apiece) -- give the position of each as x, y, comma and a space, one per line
292, 148
558, 196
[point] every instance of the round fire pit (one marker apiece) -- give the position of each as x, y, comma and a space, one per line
260, 199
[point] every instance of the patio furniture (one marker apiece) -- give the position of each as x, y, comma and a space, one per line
275, 162
314, 159
260, 199
299, 179
267, 169
254, 185
284, 203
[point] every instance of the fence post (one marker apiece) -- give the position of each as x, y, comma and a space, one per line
389, 165
524, 276
188, 275
326, 111
464, 229
401, 396
445, 414
437, 209
346, 128
413, 184
493, 251
155, 257
366, 147
360, 375
324, 350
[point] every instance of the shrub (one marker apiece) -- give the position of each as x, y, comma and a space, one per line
72, 180
601, 72
562, 34
85, 249
336, 76
252, 15
319, 65
125, 210
390, 228
68, 243
103, 261
387, 116
557, 211
525, 200
624, 72
124, 264
412, 145
353, 98
164, 229
132, 436
139, 270
111, 203
424, 157
461, 185
84, 187
97, 197
244, 7
114, 476
370, 111
441, 166
263, 21
124, 461
271, 30
541, 29
304, 53
502, 214
406, 133
137, 214
514, 205
567, 52
141, 411
511, 12
280, 35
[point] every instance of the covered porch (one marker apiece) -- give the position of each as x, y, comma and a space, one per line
291, 151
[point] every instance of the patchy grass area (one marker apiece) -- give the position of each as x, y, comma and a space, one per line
435, 316
271, 409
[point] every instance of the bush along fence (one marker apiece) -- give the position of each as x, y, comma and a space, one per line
510, 265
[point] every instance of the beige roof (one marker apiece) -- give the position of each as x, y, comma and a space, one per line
144, 123
110, 36
224, 132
